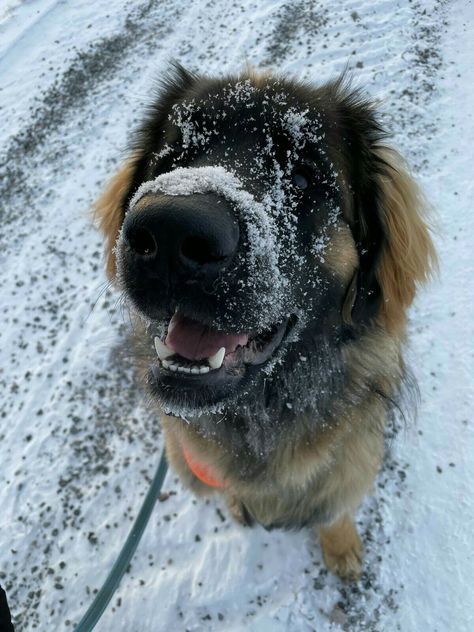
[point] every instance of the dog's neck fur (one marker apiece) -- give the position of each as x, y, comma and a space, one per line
255, 421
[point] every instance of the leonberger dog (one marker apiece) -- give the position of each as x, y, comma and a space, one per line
269, 242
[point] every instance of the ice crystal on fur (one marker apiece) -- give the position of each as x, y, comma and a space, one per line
261, 230
257, 182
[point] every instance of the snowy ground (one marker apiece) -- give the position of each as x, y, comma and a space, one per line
77, 445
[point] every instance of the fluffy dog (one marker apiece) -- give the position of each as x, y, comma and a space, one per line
269, 244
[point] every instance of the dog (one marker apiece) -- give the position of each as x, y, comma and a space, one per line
269, 242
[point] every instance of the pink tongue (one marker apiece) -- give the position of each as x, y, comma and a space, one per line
195, 341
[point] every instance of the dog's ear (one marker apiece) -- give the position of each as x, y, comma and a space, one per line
109, 210
408, 257
396, 253
386, 215
172, 86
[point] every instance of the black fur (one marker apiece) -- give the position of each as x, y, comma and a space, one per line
343, 166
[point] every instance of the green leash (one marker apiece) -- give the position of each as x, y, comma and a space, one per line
96, 609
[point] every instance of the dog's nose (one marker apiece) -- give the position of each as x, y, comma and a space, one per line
190, 236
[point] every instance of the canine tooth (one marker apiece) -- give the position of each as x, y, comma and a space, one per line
204, 369
162, 350
217, 359
166, 364
173, 367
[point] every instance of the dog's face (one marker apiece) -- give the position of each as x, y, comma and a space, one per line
250, 237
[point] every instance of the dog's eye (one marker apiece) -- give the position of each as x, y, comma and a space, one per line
300, 180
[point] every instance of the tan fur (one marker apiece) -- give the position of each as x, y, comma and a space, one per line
108, 211
176, 435
342, 548
258, 78
340, 255
409, 256
334, 466
341, 258
331, 467
236, 510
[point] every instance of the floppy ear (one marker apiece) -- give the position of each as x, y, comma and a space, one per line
109, 210
408, 257
396, 253
387, 218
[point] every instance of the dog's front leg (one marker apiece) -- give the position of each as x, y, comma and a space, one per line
342, 548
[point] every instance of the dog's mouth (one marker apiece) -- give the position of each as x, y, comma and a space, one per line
192, 350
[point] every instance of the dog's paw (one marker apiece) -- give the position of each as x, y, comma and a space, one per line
347, 565
342, 549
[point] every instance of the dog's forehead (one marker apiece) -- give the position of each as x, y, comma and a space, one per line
247, 107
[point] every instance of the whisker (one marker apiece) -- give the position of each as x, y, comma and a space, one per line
103, 288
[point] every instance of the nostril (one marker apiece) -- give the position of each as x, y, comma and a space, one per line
200, 251
141, 241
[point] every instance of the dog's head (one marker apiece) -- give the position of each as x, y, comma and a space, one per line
257, 223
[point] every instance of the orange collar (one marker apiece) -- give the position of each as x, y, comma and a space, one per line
202, 471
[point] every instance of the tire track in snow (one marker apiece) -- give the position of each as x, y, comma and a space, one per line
68, 94
22, 37
368, 604
300, 19
91, 428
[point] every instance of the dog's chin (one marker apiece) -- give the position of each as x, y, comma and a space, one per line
188, 389
195, 395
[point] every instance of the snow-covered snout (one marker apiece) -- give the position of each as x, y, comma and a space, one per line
197, 254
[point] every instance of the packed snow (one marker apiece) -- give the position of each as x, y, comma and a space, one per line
78, 443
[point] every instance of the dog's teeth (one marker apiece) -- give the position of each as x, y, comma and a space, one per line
162, 350
184, 369
179, 368
215, 361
